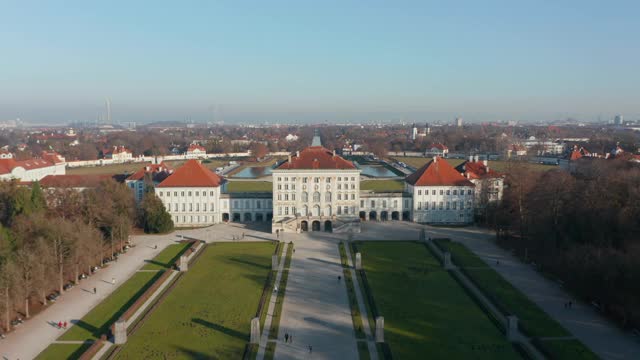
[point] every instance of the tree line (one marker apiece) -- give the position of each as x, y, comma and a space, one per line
51, 237
580, 227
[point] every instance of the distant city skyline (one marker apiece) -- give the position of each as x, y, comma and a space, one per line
335, 61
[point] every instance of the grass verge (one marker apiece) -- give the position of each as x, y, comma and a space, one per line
382, 185
427, 314
63, 351
282, 288
249, 186
356, 316
208, 313
167, 257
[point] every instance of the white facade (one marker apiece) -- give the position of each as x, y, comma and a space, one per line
442, 204
29, 170
385, 206
192, 206
315, 194
196, 153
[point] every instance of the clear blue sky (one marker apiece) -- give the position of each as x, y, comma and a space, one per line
319, 60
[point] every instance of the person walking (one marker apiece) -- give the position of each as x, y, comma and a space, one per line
65, 325
290, 339
310, 349
95, 291
286, 337
113, 281
59, 324
339, 278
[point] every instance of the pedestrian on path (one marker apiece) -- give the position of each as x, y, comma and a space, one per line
242, 236
156, 247
286, 337
290, 339
339, 278
65, 325
95, 291
113, 281
59, 324
310, 349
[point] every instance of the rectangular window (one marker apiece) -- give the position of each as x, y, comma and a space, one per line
197, 207
461, 205
454, 205
328, 180
211, 208
441, 192
339, 178
197, 193
353, 179
160, 193
204, 207
258, 204
316, 180
448, 205
210, 193
448, 192
293, 197
183, 206
361, 203
373, 203
384, 203
433, 205
304, 180
175, 193
419, 192
286, 197
419, 205
339, 196
189, 193
286, 186
346, 210
455, 192
395, 204
190, 207
433, 192
286, 210
181, 193
441, 205
175, 207
353, 186
353, 196
468, 192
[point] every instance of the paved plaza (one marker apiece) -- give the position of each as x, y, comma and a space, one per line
316, 306
316, 309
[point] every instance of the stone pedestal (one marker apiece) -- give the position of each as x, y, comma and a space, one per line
255, 331
379, 329
512, 328
274, 262
446, 262
358, 261
120, 332
184, 263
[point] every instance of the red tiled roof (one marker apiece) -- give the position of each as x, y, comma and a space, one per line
317, 157
192, 174
159, 172
437, 172
7, 165
74, 181
193, 147
477, 170
439, 146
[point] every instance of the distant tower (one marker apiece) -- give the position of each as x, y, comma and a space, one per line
427, 129
108, 108
459, 122
414, 131
618, 119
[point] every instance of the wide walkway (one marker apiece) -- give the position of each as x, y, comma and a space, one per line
30, 338
316, 307
594, 330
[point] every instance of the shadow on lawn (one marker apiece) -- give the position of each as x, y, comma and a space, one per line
222, 329
173, 260
252, 263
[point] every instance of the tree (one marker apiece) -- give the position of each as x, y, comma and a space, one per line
152, 216
259, 150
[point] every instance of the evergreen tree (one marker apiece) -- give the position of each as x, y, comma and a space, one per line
152, 216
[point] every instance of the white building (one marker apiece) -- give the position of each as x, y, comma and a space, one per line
50, 163
440, 194
196, 151
192, 195
437, 149
315, 189
150, 174
291, 137
119, 154
541, 147
489, 183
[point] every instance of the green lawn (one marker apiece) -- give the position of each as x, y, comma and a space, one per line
167, 257
249, 186
512, 300
208, 313
382, 185
569, 349
63, 351
98, 320
427, 314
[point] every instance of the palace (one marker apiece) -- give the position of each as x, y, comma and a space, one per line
317, 190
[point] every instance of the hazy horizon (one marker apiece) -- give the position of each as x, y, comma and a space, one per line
336, 61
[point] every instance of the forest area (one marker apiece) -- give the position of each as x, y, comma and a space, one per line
50, 238
580, 228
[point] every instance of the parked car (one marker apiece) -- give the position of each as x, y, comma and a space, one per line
94, 269
53, 296
82, 276
16, 322
68, 286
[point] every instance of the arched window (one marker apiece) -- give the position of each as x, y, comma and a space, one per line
316, 197
327, 196
305, 196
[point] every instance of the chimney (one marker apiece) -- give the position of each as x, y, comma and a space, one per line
334, 152
485, 163
477, 158
298, 153
435, 159
470, 158
289, 158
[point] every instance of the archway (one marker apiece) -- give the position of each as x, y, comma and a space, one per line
405, 216
304, 225
247, 217
315, 226
225, 217
316, 210
328, 227
395, 215
236, 217
372, 215
363, 215
384, 216
259, 217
